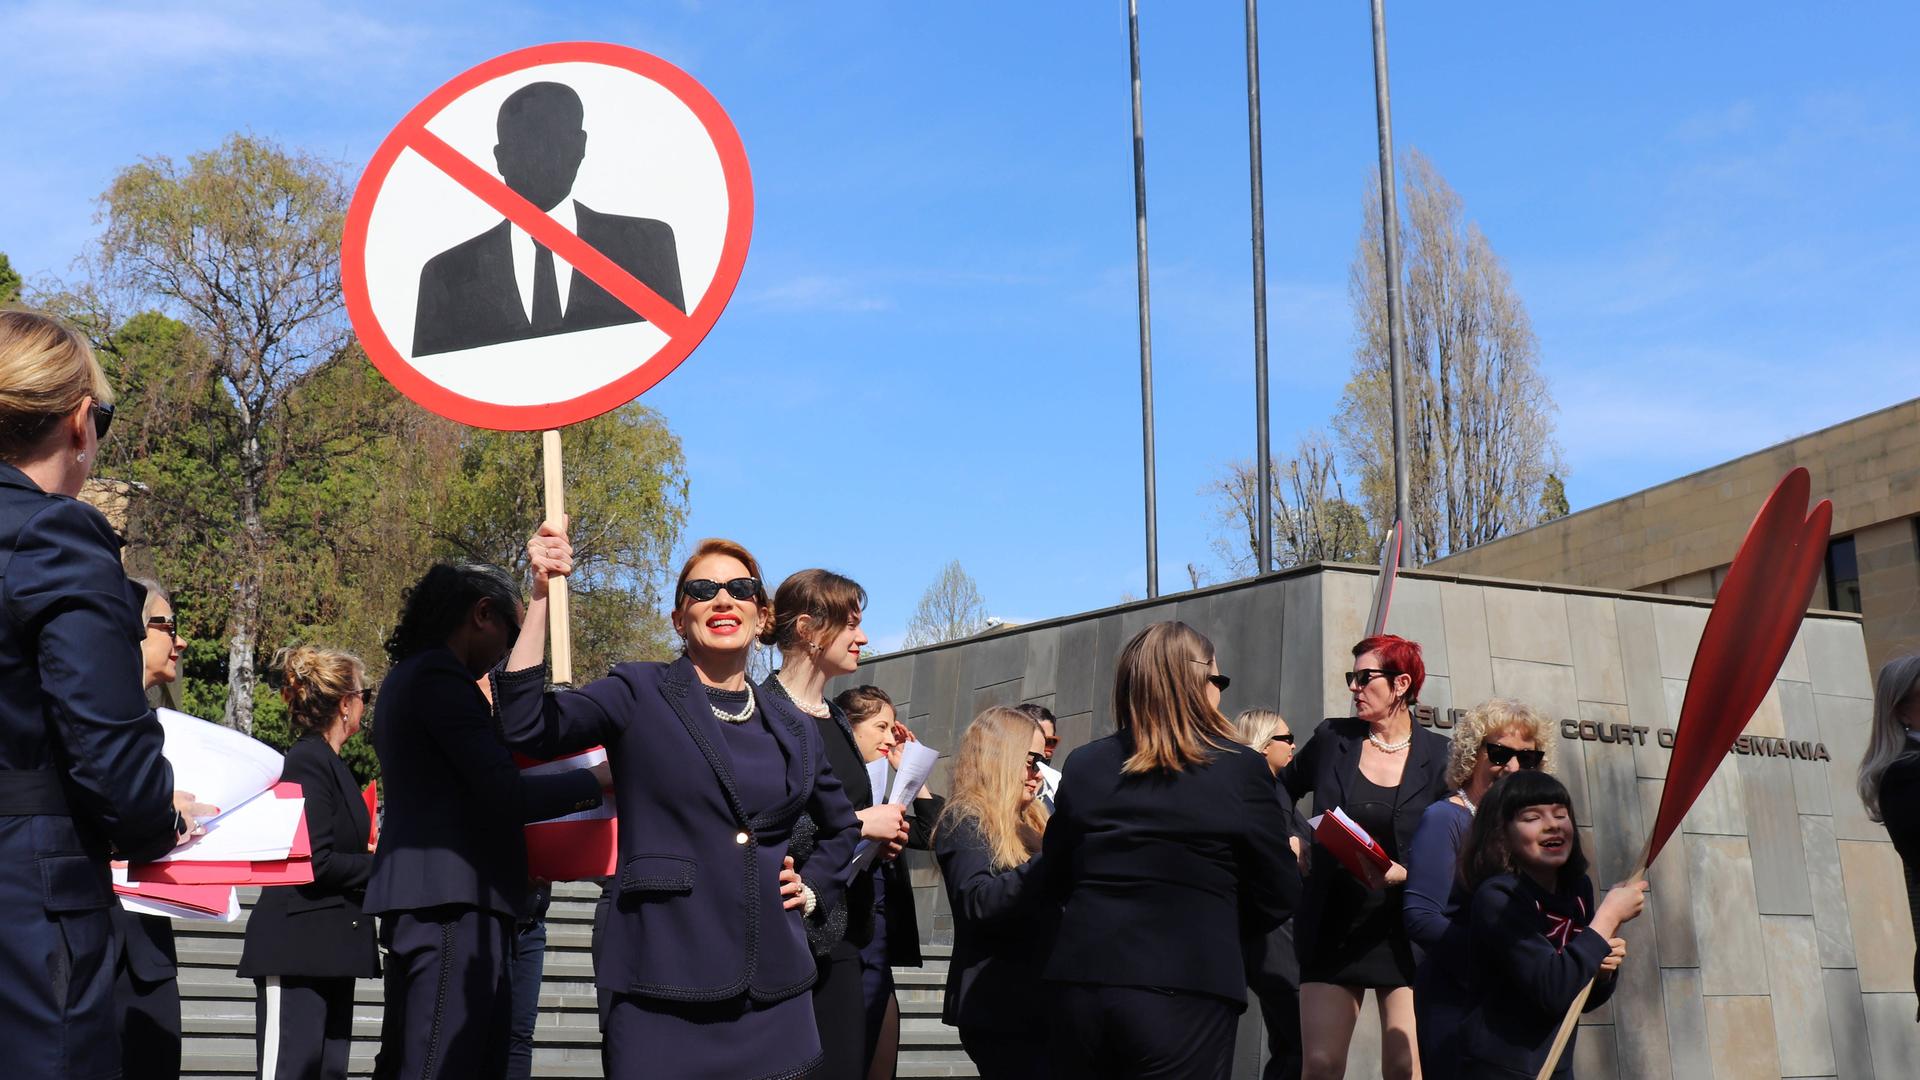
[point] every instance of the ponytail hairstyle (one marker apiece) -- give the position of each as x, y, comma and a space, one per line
1486, 853
313, 683
1160, 700
46, 370
1896, 698
832, 601
862, 703
436, 604
988, 775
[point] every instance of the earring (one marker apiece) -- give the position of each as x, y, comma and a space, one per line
81, 458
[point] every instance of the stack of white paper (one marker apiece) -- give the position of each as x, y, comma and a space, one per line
223, 768
259, 830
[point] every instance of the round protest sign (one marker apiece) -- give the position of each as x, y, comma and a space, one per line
547, 236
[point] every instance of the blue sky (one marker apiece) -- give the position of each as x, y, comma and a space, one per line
933, 354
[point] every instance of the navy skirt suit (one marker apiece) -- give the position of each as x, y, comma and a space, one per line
81, 778
708, 973
1531, 953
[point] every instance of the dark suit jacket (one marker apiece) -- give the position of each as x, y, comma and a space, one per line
1162, 873
1002, 927
1900, 809
469, 297
456, 802
1521, 984
318, 930
698, 916
146, 946
1273, 963
80, 773
1326, 768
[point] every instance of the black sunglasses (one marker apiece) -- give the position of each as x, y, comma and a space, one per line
102, 420
1034, 758
1500, 755
705, 589
170, 624
1286, 738
365, 694
1360, 678
1220, 682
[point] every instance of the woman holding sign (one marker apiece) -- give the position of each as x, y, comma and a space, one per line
1383, 771
1166, 836
816, 627
704, 948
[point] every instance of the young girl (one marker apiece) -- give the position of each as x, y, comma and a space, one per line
1535, 937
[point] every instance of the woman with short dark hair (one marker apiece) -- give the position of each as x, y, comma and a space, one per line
450, 875
1535, 938
306, 944
1167, 844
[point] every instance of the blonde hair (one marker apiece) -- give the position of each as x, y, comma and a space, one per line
1160, 701
1258, 726
46, 369
1490, 720
1896, 691
988, 774
313, 683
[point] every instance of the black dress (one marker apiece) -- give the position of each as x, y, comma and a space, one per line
1362, 941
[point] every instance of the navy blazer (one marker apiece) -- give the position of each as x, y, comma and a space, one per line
1326, 768
456, 802
1520, 983
1161, 873
80, 774
698, 914
317, 930
1002, 927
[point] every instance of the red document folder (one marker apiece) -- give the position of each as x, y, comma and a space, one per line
1350, 844
295, 869
577, 847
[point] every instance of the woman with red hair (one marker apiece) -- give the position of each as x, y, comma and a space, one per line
1383, 770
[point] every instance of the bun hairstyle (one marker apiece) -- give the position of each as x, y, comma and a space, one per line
717, 545
313, 683
832, 600
46, 369
436, 603
1485, 852
862, 703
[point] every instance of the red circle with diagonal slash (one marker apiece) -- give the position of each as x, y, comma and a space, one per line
684, 331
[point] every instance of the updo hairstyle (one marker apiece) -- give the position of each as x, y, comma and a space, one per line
313, 683
831, 599
46, 369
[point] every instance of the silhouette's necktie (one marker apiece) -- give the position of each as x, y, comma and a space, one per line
546, 292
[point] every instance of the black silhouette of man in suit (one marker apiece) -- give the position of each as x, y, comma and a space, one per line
501, 285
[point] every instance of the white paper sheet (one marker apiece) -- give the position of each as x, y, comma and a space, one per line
142, 906
260, 829
877, 775
222, 767
585, 759
916, 764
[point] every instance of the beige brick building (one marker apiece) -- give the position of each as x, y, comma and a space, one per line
1679, 537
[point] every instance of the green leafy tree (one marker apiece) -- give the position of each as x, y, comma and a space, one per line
242, 246
10, 283
1553, 498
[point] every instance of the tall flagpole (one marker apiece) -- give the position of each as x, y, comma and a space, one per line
1263, 454
1146, 330
1390, 233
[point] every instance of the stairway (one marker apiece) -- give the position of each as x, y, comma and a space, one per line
217, 1006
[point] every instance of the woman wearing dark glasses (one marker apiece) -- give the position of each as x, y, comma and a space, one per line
307, 944
704, 949
1273, 963
80, 765
1383, 770
1167, 844
1496, 738
987, 839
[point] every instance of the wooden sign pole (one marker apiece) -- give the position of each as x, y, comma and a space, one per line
562, 648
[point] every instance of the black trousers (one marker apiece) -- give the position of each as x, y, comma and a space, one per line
149, 1026
1141, 1033
303, 1027
840, 1014
1280, 1012
1008, 1055
449, 1008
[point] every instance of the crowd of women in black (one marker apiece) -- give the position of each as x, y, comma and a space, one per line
1109, 927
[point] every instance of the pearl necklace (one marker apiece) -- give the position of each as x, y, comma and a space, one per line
740, 717
1391, 748
1462, 792
818, 711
